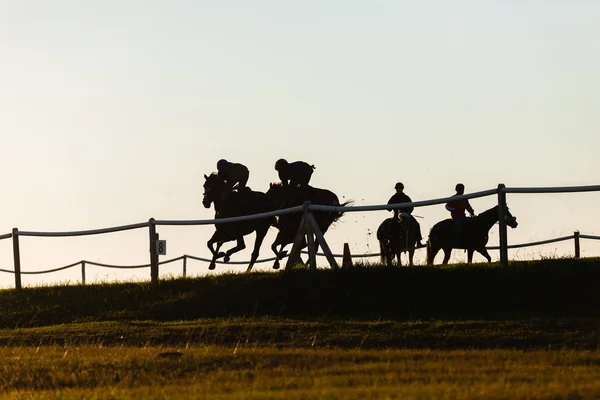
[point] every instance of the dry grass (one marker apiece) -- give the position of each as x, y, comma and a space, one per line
268, 373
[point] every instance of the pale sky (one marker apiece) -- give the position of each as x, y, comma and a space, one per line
111, 112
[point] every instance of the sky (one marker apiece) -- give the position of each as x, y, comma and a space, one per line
111, 112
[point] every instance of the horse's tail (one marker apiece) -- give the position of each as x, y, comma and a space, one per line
339, 214
382, 252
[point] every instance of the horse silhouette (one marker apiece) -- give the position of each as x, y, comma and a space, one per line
473, 238
397, 235
229, 203
288, 224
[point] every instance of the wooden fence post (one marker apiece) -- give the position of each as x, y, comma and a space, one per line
153, 254
294, 256
502, 225
576, 239
16, 258
83, 272
321, 239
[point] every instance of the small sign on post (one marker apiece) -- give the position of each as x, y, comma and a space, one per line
161, 247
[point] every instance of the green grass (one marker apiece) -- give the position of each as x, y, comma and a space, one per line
531, 330
543, 334
541, 289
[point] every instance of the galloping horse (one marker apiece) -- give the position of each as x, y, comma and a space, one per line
473, 238
233, 204
397, 235
288, 224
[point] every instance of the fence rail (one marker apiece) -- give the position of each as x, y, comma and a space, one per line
185, 257
500, 191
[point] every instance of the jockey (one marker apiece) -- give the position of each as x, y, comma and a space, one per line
401, 197
457, 210
295, 174
232, 173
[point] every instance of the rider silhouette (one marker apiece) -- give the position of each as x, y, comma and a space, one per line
233, 173
294, 175
401, 197
457, 210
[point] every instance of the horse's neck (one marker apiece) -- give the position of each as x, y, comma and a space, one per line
487, 219
221, 203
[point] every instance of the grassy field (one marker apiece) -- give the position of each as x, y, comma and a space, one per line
528, 331
209, 372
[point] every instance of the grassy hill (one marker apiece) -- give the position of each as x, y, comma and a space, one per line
561, 288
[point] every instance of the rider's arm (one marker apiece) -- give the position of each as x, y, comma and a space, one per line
469, 208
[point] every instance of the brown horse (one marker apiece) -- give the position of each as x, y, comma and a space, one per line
234, 204
288, 224
396, 236
473, 238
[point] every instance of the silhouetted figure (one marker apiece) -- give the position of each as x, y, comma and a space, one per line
457, 210
401, 197
443, 233
294, 175
233, 173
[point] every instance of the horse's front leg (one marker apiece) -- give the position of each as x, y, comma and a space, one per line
447, 254
279, 254
470, 255
399, 258
485, 253
241, 245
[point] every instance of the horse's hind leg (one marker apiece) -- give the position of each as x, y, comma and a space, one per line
399, 259
260, 236
411, 253
215, 251
431, 252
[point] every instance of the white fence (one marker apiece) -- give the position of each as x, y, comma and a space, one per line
307, 209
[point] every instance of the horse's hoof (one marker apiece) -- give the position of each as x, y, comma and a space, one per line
211, 266
226, 259
276, 266
282, 254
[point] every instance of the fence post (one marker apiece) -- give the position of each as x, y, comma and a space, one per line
576, 238
502, 225
153, 255
16, 258
83, 272
184, 265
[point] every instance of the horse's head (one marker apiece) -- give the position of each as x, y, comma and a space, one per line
277, 193
510, 219
213, 188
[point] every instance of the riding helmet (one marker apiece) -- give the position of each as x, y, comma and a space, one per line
280, 164
221, 164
